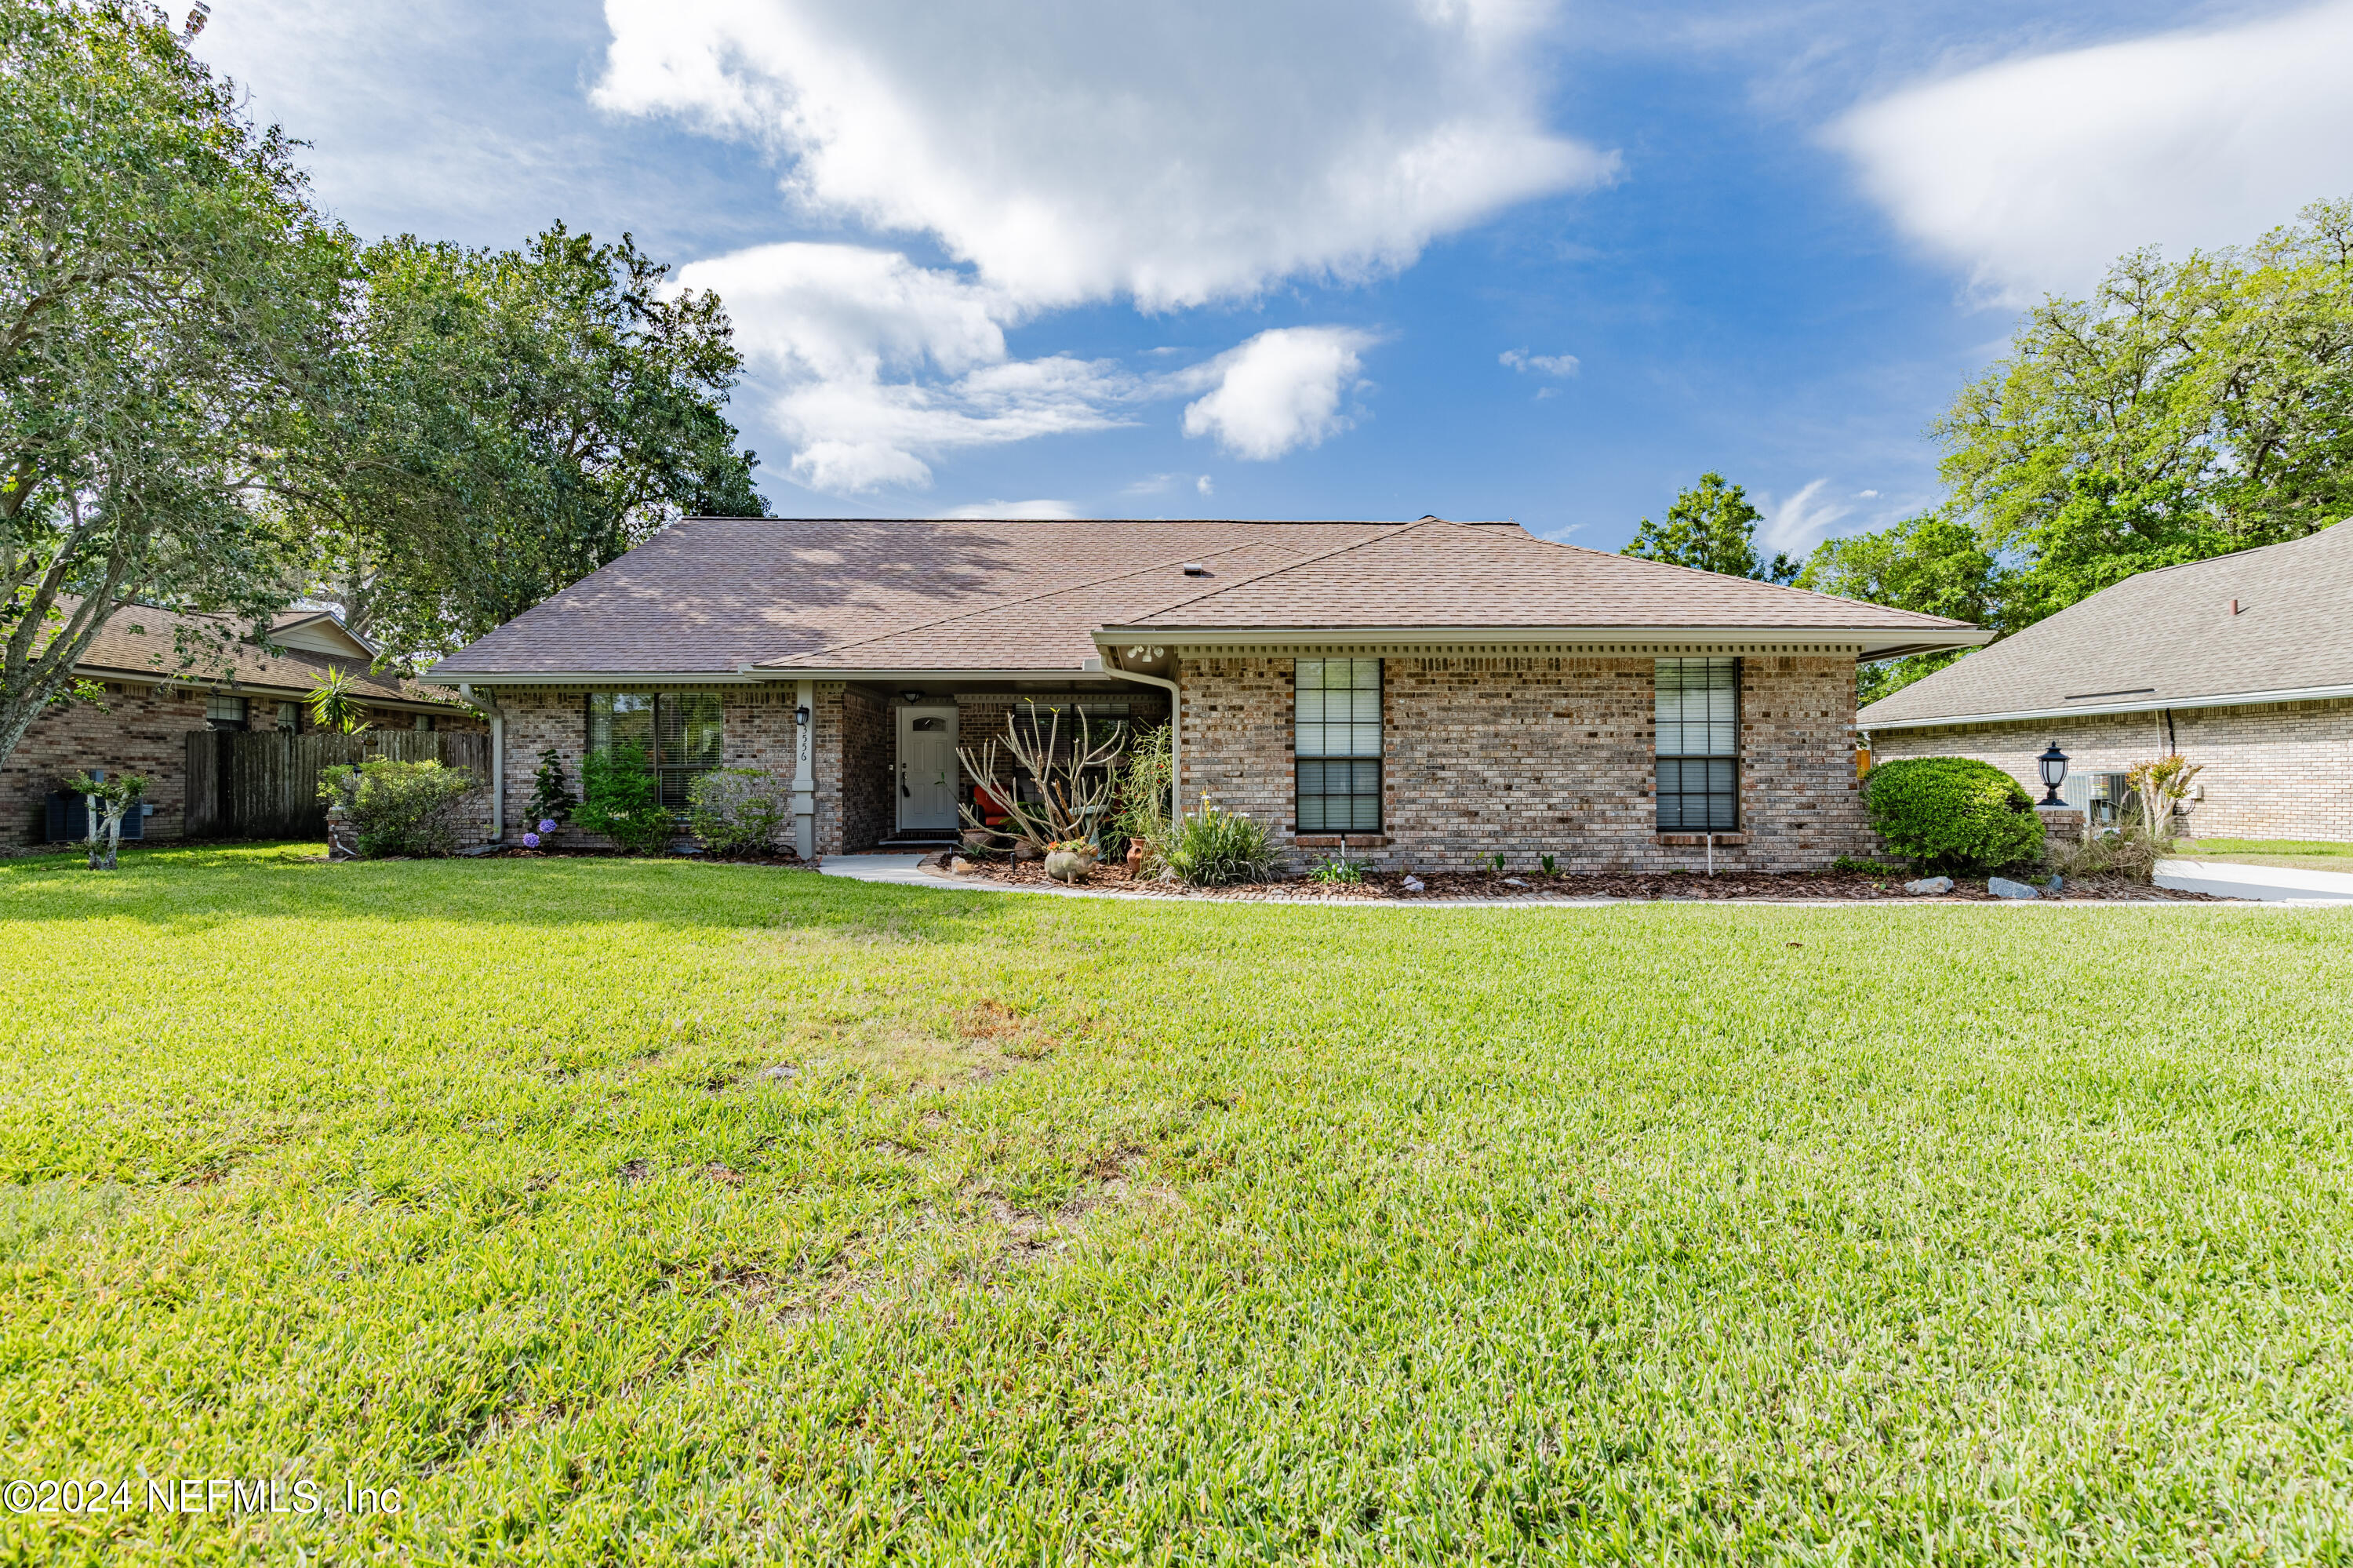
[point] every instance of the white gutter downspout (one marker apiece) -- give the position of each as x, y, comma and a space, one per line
804, 772
498, 760
1176, 732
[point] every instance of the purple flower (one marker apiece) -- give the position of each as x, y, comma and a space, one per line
530, 841
547, 824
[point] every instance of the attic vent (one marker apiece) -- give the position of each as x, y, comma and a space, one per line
1196, 569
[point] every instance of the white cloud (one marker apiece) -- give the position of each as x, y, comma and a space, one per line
1019, 509
1173, 154
1521, 360
2035, 173
870, 365
1866, 495
1279, 391
1801, 522
1162, 484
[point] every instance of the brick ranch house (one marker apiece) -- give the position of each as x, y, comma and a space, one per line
1436, 691
2243, 664
163, 674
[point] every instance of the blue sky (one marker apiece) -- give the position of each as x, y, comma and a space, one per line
1268, 260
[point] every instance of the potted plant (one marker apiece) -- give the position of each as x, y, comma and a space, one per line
1069, 860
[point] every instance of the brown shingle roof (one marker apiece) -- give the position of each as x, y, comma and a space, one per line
2161, 638
145, 643
716, 595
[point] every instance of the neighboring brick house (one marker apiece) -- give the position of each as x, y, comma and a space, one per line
2242, 663
1438, 693
163, 675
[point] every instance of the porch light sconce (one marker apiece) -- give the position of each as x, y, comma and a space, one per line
913, 697
800, 717
2054, 764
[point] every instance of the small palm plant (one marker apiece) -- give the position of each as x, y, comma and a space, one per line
335, 705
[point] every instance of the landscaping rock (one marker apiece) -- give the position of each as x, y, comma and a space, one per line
1069, 866
1930, 885
2002, 887
961, 866
2055, 885
1413, 885
1513, 882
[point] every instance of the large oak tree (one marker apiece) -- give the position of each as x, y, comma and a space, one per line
168, 300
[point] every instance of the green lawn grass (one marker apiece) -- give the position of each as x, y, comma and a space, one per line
2311, 856
1082, 1230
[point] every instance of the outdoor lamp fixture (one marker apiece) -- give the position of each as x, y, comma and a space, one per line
2054, 764
800, 716
913, 697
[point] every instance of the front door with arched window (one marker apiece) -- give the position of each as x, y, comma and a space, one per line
925, 776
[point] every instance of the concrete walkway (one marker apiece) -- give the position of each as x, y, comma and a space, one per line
902, 870
2271, 883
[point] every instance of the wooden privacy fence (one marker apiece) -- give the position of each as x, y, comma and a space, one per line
262, 784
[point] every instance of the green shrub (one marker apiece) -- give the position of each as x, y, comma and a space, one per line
1340, 869
401, 808
621, 800
551, 792
1953, 814
1142, 816
1217, 848
737, 810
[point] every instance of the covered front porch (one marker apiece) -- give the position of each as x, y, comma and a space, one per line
887, 760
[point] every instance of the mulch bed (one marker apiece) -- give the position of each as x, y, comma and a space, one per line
1536, 888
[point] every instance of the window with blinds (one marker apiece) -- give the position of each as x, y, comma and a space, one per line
680, 735
1338, 745
1699, 746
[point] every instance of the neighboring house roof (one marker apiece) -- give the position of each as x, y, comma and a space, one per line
766, 597
321, 632
2163, 639
140, 642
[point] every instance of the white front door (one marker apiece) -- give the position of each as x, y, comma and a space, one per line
926, 782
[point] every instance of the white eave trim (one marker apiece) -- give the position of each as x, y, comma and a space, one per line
1091, 670
762, 676
1875, 641
591, 678
2137, 705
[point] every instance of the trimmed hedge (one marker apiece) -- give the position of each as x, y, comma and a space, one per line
1953, 814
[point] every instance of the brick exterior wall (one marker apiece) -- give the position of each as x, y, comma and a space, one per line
143, 729
2272, 770
1532, 753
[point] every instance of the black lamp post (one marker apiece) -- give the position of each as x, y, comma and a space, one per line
2054, 764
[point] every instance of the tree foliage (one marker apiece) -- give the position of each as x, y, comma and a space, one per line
2185, 410
168, 299
510, 421
1712, 527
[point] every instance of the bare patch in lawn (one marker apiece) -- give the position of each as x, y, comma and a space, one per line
987, 1040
